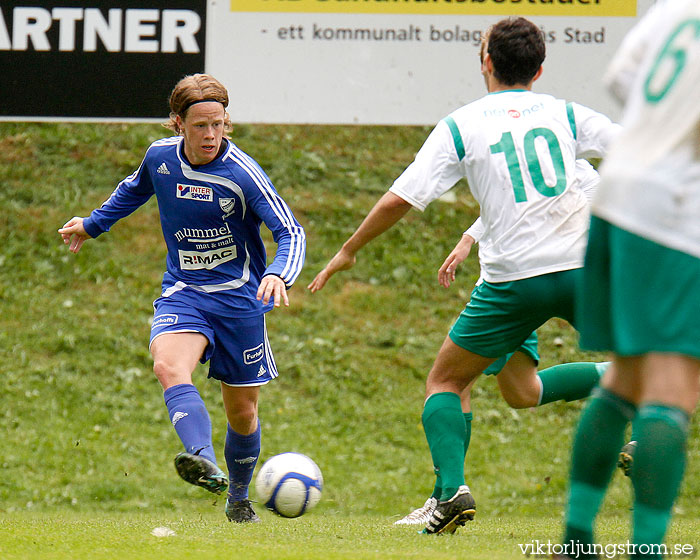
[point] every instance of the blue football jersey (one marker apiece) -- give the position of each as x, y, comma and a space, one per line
210, 216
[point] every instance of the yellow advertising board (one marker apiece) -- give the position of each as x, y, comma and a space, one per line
578, 8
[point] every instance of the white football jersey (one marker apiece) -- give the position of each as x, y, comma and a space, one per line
651, 179
587, 178
518, 151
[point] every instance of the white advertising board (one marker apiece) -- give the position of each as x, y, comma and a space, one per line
396, 61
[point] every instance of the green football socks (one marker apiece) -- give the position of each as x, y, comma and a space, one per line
659, 463
570, 382
597, 443
468, 416
445, 428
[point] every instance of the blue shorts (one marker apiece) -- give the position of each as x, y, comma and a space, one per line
239, 352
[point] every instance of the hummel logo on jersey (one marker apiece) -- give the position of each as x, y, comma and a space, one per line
262, 371
163, 169
177, 417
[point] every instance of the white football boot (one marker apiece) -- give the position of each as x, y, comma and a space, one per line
421, 515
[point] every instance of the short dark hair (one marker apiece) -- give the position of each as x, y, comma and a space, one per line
517, 50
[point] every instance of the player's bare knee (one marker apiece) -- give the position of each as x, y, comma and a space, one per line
520, 399
452, 380
243, 420
167, 373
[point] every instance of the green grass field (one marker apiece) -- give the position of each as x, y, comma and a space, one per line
87, 455
204, 534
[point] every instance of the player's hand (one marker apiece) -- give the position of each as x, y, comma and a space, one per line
446, 273
272, 287
342, 260
74, 234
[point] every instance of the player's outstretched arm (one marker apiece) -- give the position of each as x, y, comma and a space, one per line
74, 234
386, 212
446, 273
342, 260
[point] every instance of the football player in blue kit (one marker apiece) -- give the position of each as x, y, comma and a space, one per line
217, 286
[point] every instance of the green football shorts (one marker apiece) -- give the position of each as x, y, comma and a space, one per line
529, 348
638, 296
501, 316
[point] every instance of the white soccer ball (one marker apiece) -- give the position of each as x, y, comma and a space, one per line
289, 484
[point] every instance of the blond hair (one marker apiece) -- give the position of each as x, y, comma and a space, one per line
192, 89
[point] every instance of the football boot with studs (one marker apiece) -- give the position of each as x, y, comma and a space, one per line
421, 515
452, 513
201, 472
626, 457
241, 512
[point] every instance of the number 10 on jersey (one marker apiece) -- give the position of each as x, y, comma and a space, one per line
506, 146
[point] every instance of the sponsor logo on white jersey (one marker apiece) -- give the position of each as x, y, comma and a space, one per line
514, 113
262, 371
253, 355
163, 169
165, 319
198, 260
195, 192
178, 416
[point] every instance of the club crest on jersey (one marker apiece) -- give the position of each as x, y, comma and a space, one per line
227, 204
195, 192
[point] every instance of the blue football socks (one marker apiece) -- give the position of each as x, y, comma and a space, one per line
190, 418
241, 452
